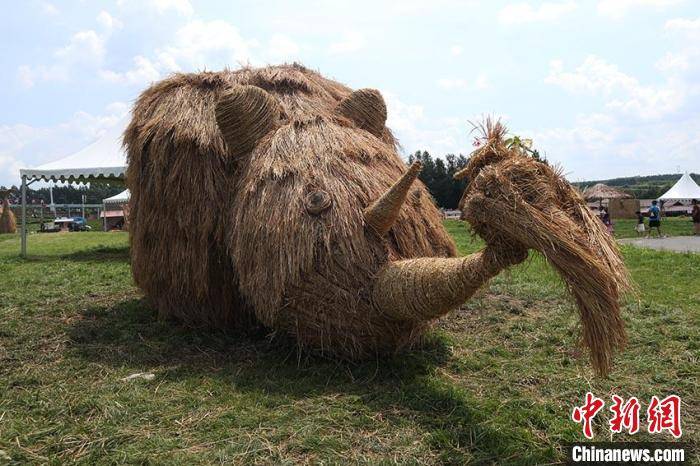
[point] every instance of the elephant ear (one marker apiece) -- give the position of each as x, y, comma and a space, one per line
245, 114
366, 108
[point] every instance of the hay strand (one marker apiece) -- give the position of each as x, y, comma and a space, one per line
512, 197
8, 223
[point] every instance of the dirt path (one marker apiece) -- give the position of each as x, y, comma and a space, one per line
672, 243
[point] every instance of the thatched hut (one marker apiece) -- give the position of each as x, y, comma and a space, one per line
293, 211
8, 223
601, 192
618, 203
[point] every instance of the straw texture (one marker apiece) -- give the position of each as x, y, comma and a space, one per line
366, 108
383, 212
602, 191
515, 199
245, 114
8, 223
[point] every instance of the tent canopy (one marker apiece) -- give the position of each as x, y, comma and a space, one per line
103, 159
121, 198
684, 189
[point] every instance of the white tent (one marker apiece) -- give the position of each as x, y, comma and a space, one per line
104, 159
121, 198
684, 190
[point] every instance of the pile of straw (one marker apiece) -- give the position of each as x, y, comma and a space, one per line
512, 198
8, 224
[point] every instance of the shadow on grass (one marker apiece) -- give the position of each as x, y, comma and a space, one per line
91, 255
404, 387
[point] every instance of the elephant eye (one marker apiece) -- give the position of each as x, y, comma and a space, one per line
317, 202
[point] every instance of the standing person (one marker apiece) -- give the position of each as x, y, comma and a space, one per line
696, 218
654, 218
606, 221
640, 224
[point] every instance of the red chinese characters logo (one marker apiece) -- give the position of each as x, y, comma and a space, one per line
625, 416
662, 415
585, 414
665, 415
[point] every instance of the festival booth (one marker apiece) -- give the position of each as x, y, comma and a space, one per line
115, 211
103, 160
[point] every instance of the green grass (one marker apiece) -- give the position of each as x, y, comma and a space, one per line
671, 226
495, 381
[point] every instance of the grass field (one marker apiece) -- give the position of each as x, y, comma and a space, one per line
671, 226
495, 381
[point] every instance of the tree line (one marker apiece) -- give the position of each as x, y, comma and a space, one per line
437, 174
68, 194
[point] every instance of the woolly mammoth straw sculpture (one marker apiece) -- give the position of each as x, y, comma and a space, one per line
275, 196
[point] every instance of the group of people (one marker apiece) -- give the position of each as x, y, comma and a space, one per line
655, 220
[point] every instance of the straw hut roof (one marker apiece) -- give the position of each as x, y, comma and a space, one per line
602, 191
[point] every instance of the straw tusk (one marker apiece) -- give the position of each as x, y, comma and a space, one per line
425, 288
383, 212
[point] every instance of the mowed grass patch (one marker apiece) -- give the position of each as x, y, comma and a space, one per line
670, 226
494, 381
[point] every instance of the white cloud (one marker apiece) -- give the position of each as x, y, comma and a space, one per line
456, 50
673, 62
481, 82
198, 45
83, 47
524, 12
182, 7
617, 9
109, 22
622, 92
352, 41
414, 131
24, 145
650, 126
689, 27
605, 146
281, 47
25, 76
203, 44
49, 9
144, 72
401, 116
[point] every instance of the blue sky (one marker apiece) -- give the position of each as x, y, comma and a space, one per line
604, 87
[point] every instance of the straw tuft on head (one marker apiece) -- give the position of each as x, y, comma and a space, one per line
245, 114
367, 109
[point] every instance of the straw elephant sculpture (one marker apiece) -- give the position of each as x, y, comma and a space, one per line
276, 197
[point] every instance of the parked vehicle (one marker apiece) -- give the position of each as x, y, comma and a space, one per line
66, 224
79, 224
